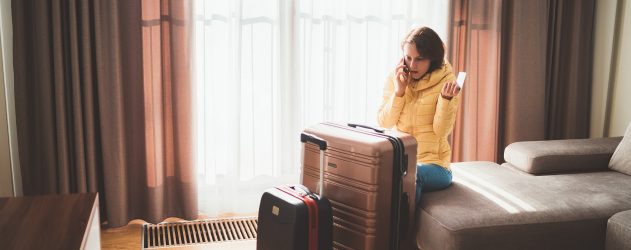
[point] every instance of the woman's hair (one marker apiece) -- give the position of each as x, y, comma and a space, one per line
428, 44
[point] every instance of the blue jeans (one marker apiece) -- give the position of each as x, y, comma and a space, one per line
431, 177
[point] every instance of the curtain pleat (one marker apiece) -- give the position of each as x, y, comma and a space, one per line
475, 48
569, 75
529, 73
82, 105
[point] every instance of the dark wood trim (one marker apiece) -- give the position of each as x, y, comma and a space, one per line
45, 222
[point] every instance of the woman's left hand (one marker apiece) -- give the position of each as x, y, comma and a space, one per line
450, 89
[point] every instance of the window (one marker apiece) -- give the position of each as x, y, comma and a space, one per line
267, 69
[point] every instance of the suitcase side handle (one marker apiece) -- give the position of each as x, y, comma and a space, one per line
354, 125
304, 137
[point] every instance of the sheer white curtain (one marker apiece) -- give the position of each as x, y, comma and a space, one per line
267, 69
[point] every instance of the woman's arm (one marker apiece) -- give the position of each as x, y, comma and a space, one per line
446, 109
391, 105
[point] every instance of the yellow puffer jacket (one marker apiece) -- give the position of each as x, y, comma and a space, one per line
423, 113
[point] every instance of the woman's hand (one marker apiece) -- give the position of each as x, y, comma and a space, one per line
450, 89
402, 79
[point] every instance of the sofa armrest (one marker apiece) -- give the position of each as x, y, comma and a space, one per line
619, 231
541, 157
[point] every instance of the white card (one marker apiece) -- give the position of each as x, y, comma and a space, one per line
460, 79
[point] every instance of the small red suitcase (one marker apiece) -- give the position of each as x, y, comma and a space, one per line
369, 178
292, 217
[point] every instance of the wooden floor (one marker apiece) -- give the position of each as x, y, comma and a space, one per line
128, 237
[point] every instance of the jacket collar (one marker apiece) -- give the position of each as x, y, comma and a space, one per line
433, 78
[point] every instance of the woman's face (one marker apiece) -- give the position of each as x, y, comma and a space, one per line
417, 63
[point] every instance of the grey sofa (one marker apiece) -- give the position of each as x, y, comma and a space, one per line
563, 194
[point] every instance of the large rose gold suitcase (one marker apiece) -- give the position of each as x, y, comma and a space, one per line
369, 178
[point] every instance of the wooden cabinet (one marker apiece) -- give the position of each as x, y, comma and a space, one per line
50, 222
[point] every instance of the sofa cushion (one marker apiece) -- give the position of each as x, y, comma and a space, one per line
621, 159
542, 157
489, 206
619, 231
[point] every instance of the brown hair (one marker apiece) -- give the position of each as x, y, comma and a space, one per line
428, 44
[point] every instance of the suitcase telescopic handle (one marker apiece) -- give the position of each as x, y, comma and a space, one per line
354, 125
304, 137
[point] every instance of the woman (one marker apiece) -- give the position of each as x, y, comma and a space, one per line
421, 98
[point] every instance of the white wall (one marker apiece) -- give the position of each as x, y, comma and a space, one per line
605, 69
10, 179
6, 183
603, 42
621, 102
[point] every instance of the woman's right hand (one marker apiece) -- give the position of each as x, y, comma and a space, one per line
401, 79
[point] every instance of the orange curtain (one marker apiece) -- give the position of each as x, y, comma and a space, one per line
166, 67
475, 47
103, 104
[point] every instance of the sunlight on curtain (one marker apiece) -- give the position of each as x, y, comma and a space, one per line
267, 69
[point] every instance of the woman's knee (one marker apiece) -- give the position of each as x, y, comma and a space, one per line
439, 178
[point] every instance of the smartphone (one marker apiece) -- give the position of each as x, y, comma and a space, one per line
460, 79
406, 69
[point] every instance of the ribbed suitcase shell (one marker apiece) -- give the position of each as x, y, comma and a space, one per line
358, 182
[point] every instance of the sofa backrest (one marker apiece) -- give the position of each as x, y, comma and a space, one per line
555, 156
621, 159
